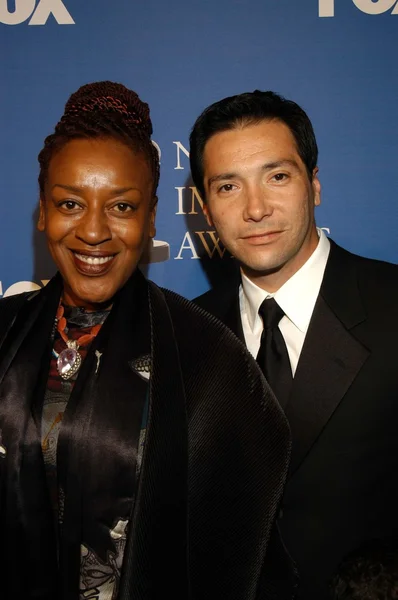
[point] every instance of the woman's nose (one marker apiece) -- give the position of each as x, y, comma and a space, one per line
93, 228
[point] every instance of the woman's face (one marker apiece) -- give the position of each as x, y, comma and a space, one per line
98, 212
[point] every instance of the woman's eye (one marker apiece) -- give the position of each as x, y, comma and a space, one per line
122, 207
69, 204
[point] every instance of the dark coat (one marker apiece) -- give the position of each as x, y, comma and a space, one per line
343, 412
214, 466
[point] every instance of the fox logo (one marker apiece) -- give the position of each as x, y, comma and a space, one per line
326, 7
25, 9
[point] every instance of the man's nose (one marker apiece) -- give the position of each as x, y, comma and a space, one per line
257, 204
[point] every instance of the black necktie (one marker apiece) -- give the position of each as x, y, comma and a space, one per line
272, 356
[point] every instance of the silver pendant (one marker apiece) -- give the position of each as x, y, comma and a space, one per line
69, 360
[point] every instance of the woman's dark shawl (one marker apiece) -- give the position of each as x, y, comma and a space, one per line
213, 470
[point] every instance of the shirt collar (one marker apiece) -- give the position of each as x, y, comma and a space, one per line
298, 295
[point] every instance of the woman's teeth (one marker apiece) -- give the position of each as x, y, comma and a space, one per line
93, 260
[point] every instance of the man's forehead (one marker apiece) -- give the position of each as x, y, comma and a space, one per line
271, 138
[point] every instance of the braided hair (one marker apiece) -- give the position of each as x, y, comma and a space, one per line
101, 110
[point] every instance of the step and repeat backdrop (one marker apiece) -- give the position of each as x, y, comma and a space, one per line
336, 58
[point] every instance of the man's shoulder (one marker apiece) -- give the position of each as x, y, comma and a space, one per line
217, 298
380, 269
357, 283
194, 315
201, 334
209, 299
371, 271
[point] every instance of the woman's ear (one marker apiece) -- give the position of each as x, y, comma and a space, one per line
41, 222
152, 217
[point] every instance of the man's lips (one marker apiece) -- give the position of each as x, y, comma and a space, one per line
264, 237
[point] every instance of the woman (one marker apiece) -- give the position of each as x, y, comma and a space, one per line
135, 463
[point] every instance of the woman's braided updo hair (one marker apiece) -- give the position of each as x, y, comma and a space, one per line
101, 110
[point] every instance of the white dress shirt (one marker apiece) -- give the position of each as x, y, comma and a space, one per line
296, 298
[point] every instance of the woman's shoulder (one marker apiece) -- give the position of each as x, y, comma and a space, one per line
13, 303
9, 308
10, 305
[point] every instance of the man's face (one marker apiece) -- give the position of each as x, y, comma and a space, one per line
261, 200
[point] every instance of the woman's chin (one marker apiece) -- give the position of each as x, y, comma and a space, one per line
88, 299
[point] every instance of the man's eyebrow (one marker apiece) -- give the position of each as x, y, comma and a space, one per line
221, 177
285, 162
78, 190
265, 167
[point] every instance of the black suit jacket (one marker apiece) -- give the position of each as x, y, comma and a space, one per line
343, 412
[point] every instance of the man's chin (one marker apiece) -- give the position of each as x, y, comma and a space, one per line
259, 270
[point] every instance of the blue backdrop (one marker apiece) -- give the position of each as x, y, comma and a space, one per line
337, 58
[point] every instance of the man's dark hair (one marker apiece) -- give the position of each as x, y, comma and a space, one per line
249, 109
369, 573
103, 109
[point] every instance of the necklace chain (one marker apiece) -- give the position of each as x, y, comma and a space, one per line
70, 360
83, 340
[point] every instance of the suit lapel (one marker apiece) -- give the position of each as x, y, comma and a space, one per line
232, 316
331, 357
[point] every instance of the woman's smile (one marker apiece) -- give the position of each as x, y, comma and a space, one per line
93, 264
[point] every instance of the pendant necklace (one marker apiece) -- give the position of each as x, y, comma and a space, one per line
70, 360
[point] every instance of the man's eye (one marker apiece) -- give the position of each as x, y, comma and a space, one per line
227, 187
280, 176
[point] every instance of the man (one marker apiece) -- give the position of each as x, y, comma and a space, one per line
328, 346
